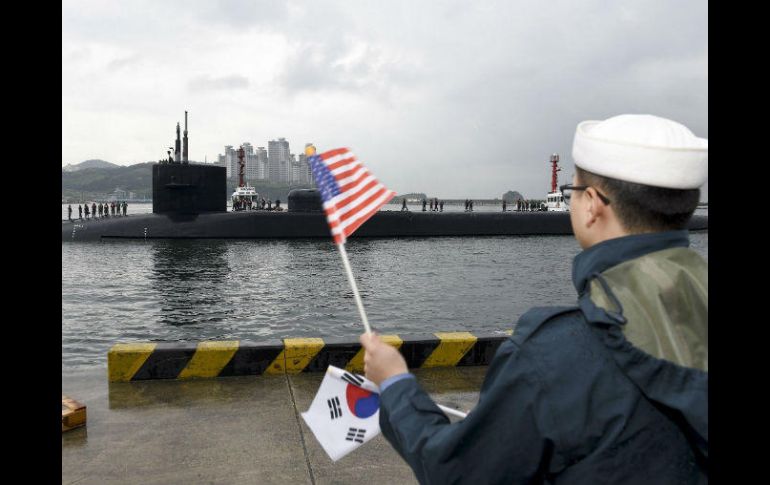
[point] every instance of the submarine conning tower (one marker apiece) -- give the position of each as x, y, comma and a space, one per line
305, 200
180, 187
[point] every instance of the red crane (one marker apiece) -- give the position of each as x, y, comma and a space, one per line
241, 166
555, 168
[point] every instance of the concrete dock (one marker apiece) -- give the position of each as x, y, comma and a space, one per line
227, 430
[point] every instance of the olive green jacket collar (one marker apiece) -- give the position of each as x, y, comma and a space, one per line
606, 254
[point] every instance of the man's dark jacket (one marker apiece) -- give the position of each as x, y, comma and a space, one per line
566, 399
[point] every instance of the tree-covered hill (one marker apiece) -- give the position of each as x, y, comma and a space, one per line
134, 178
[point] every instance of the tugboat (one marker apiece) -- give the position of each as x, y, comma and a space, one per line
555, 200
245, 197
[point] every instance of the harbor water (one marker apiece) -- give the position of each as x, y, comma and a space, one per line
176, 290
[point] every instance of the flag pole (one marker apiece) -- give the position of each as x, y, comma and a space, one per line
453, 412
360, 304
352, 281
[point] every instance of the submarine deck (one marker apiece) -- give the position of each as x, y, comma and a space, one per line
287, 225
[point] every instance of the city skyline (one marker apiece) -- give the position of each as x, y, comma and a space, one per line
442, 97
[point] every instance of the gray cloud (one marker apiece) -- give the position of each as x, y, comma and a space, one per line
124, 62
447, 97
206, 83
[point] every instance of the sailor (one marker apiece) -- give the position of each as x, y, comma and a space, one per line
423, 205
125, 207
613, 389
403, 205
470, 205
69, 212
85, 209
431, 205
269, 204
442, 205
466, 205
504, 205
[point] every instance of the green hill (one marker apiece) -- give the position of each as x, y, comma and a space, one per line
98, 183
134, 178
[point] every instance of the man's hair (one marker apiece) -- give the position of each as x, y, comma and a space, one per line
643, 208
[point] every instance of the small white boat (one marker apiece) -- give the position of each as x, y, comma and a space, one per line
245, 198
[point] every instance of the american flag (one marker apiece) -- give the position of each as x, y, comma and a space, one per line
350, 194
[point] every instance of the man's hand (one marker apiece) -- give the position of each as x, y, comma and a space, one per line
381, 360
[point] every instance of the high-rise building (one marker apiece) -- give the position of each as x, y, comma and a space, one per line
294, 171
275, 164
250, 159
230, 158
261, 155
305, 174
278, 160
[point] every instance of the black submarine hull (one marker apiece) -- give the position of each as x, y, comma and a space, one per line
288, 225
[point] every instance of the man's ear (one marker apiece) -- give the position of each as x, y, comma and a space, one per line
593, 206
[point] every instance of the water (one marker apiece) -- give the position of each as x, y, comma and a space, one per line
126, 291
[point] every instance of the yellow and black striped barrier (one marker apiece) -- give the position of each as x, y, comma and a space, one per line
184, 360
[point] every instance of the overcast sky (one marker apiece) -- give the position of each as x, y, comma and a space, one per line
452, 98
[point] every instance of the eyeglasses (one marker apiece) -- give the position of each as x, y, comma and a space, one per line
566, 192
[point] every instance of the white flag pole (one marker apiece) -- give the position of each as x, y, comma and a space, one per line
360, 304
352, 281
452, 412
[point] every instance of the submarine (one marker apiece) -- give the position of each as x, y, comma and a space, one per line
189, 202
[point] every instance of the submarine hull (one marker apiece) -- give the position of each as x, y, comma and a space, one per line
288, 225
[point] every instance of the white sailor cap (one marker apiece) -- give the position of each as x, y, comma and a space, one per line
644, 149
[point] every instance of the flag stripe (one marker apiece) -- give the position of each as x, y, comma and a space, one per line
345, 179
350, 194
356, 188
343, 165
357, 200
356, 213
333, 153
365, 200
361, 215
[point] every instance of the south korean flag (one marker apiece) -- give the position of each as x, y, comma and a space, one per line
345, 413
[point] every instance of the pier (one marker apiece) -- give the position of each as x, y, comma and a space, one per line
227, 430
